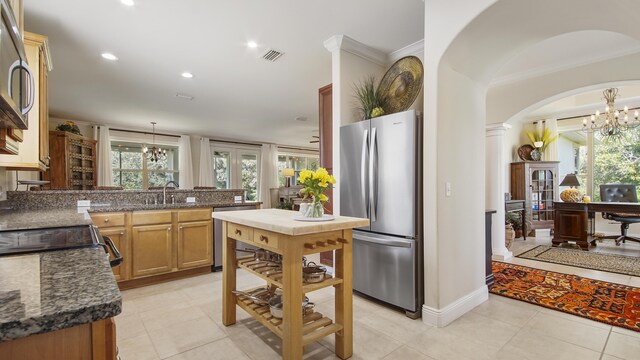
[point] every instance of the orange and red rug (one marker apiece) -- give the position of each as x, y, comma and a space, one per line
609, 303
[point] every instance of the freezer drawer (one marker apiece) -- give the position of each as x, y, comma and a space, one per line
384, 267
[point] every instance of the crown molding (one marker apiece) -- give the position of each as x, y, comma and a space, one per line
345, 43
545, 70
411, 49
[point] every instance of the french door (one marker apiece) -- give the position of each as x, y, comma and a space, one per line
237, 168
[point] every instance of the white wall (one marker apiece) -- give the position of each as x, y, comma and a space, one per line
566, 157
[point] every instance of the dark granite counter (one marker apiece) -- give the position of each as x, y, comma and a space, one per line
37, 219
139, 207
54, 290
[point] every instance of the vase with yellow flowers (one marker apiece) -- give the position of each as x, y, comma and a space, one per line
316, 183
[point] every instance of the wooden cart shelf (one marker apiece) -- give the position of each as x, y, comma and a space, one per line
315, 325
277, 231
248, 264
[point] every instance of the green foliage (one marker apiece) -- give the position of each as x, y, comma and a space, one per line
69, 126
286, 204
545, 137
616, 162
369, 98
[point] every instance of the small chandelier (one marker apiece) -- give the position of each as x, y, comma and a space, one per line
612, 122
155, 153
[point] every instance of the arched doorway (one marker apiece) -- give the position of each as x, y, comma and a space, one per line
463, 56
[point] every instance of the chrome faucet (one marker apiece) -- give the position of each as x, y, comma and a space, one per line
164, 190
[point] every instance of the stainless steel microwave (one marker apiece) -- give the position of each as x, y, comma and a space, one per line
16, 78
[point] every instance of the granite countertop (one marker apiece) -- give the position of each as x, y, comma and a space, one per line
53, 290
48, 291
37, 219
282, 221
140, 207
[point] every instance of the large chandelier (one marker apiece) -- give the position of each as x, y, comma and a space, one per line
611, 122
154, 154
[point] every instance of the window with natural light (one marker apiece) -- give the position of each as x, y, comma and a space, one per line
132, 170
615, 160
237, 168
297, 162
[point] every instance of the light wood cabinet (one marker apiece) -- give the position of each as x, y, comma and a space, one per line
152, 250
33, 151
120, 240
157, 245
195, 244
96, 341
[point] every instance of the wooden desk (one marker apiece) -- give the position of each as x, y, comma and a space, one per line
519, 206
276, 231
575, 222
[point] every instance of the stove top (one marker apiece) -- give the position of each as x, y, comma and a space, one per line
36, 240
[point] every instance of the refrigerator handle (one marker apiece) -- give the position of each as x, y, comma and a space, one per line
373, 175
363, 172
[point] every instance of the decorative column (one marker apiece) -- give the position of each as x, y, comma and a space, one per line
496, 177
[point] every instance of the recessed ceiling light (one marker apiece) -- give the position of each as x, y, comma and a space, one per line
127, 2
187, 75
109, 56
252, 44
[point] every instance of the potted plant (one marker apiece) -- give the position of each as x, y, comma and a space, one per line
540, 142
515, 220
372, 103
69, 126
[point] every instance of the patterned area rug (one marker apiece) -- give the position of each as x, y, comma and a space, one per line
612, 304
628, 265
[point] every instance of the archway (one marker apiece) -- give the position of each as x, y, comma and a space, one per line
463, 56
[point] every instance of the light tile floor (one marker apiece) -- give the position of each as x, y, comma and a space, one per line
181, 320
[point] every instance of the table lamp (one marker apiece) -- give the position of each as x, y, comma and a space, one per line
288, 173
571, 194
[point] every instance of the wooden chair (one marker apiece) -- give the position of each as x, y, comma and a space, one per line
620, 193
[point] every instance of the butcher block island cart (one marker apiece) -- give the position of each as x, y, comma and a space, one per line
277, 232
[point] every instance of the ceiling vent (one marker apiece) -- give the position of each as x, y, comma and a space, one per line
184, 96
272, 55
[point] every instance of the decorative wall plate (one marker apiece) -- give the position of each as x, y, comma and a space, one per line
524, 152
402, 84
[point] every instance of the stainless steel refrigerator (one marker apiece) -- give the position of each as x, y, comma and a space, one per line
381, 179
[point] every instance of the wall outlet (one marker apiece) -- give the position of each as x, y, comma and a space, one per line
447, 189
84, 203
191, 200
237, 199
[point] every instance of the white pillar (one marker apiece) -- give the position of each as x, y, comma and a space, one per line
496, 165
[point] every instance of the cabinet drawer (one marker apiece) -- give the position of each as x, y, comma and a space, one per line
108, 219
265, 238
194, 215
151, 217
239, 232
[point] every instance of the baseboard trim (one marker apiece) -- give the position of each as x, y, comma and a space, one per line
445, 316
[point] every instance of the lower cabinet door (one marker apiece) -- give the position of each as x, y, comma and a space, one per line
195, 244
119, 238
151, 247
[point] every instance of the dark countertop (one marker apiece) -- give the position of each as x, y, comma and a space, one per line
48, 291
139, 207
54, 290
36, 219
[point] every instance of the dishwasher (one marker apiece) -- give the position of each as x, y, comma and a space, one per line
217, 235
